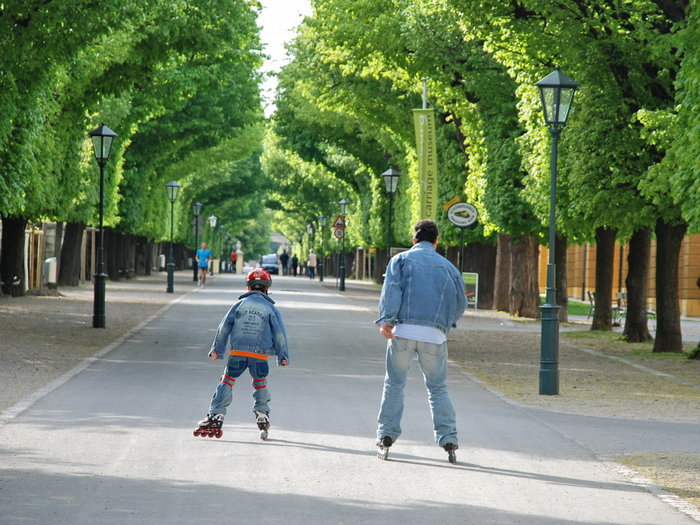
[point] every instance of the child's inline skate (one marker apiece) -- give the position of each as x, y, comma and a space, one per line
210, 426
384, 444
263, 421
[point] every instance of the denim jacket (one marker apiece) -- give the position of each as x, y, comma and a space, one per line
253, 324
422, 287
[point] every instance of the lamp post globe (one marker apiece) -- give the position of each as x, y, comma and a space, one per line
391, 180
343, 205
557, 96
172, 188
102, 139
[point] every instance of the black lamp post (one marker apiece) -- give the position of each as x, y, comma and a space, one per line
557, 95
102, 138
227, 252
343, 205
391, 179
212, 225
196, 209
172, 188
322, 224
311, 230
220, 246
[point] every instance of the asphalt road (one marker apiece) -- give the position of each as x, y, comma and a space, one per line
113, 443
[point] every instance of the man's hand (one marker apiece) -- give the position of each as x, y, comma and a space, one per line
214, 356
386, 330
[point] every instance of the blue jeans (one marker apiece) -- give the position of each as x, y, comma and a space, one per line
237, 364
432, 359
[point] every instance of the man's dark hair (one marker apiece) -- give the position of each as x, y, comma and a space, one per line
425, 230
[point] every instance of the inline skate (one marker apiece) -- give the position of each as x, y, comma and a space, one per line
210, 426
450, 449
384, 444
263, 421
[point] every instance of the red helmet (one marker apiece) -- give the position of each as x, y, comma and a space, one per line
258, 279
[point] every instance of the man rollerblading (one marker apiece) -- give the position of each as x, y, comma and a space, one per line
210, 426
422, 299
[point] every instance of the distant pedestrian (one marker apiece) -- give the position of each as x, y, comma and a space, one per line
294, 263
254, 330
311, 264
234, 258
422, 298
203, 256
284, 262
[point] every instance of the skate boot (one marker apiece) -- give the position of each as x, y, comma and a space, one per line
210, 426
384, 444
263, 421
450, 449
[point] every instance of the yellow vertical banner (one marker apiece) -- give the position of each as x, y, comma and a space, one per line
424, 122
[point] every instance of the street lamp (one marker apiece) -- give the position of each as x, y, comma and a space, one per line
102, 138
322, 223
172, 188
343, 205
212, 225
391, 179
220, 245
311, 230
557, 95
196, 209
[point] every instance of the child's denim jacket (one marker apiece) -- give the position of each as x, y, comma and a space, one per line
253, 324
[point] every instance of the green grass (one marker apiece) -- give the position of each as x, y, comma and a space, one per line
574, 307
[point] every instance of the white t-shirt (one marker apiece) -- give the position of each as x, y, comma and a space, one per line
417, 332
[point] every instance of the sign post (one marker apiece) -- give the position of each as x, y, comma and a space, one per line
463, 215
339, 233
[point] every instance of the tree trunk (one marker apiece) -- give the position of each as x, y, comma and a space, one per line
501, 286
58, 241
605, 243
636, 326
668, 315
69, 269
562, 291
524, 290
111, 255
12, 255
480, 258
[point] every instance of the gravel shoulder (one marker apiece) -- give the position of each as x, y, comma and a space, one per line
42, 337
600, 375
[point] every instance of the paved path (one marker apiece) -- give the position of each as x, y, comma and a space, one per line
113, 443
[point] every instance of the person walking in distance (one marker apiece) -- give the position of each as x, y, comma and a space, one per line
253, 330
203, 256
313, 261
422, 298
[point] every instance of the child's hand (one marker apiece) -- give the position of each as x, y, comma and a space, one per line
214, 356
284, 362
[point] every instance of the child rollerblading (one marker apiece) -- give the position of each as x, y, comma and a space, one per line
254, 331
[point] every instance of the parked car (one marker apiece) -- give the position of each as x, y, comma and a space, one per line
270, 263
